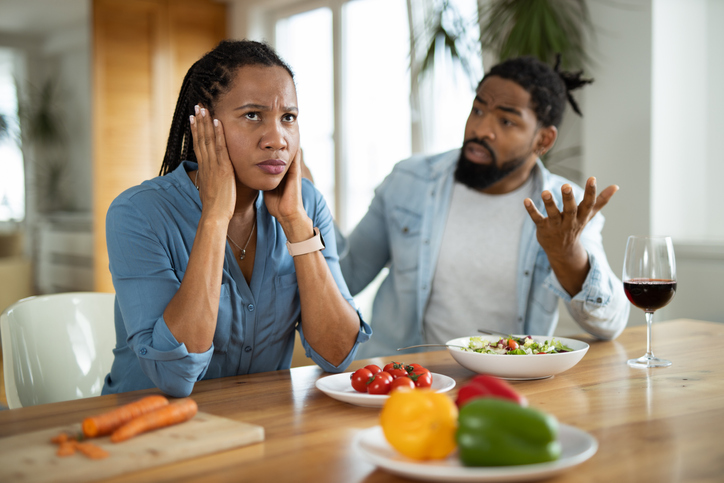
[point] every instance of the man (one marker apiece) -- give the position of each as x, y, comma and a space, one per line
463, 253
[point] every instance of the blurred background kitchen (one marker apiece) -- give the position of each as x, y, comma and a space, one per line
87, 89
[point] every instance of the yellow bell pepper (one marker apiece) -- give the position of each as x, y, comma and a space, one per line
420, 424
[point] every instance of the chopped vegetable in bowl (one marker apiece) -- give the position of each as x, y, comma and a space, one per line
516, 346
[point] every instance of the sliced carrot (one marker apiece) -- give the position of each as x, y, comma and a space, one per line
175, 413
108, 422
66, 448
60, 439
92, 451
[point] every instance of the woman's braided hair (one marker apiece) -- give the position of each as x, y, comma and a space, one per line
205, 81
549, 89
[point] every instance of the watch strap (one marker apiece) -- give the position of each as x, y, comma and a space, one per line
307, 246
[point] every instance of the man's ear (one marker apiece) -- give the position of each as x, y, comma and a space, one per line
546, 137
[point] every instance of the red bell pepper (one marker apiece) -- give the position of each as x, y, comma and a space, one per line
488, 386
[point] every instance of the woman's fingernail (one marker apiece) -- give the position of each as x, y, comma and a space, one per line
566, 190
216, 122
192, 119
196, 109
203, 112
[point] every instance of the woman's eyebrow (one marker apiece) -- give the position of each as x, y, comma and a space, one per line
261, 107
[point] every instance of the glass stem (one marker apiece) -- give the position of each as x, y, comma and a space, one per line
649, 320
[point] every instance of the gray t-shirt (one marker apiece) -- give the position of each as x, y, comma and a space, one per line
475, 277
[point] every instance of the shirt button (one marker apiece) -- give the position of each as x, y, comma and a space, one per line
426, 242
424, 287
143, 351
527, 273
250, 307
405, 230
520, 319
599, 300
247, 348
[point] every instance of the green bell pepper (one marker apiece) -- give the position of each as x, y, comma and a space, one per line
496, 432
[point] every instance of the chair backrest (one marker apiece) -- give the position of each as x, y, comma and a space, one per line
57, 347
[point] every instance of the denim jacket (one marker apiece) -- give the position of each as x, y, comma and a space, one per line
403, 229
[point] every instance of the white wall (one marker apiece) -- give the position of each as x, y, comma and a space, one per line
619, 144
680, 133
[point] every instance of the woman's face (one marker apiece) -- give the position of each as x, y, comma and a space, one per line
259, 116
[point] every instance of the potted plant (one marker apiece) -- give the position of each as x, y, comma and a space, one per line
45, 139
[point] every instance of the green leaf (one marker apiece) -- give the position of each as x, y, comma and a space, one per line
542, 28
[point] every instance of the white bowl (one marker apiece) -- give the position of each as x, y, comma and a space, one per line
518, 367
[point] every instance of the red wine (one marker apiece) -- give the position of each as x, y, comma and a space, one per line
649, 293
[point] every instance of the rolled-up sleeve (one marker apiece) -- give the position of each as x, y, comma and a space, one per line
601, 307
365, 331
172, 368
145, 282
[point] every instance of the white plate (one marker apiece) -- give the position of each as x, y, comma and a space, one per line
340, 387
576, 445
519, 367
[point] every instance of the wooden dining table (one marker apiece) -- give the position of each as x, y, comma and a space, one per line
652, 425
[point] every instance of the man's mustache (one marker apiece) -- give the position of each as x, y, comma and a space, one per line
482, 143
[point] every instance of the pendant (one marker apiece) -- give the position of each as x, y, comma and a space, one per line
242, 255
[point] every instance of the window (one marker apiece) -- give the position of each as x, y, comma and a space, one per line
687, 101
12, 182
351, 63
305, 42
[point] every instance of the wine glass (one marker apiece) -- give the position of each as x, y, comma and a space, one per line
649, 280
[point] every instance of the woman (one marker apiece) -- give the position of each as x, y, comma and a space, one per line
189, 305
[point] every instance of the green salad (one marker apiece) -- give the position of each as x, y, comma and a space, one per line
516, 346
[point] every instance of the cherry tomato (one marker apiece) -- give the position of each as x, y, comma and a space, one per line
394, 365
373, 369
421, 378
395, 373
386, 375
360, 378
512, 344
380, 384
403, 383
415, 367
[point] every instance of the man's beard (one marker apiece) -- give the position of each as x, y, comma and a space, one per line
481, 176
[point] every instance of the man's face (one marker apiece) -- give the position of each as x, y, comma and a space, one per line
501, 136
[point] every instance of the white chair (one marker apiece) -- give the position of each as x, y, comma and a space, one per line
57, 347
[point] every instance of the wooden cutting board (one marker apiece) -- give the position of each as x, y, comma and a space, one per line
31, 457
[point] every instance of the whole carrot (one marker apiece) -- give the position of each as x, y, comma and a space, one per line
175, 413
108, 422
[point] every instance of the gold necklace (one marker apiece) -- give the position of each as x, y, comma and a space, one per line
242, 255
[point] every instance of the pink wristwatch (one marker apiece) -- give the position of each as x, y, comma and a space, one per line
307, 246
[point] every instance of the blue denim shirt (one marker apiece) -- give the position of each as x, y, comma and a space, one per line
403, 230
150, 230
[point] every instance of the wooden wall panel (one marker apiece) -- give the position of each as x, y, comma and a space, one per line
141, 51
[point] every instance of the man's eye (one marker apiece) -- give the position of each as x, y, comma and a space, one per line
477, 111
289, 117
506, 122
252, 116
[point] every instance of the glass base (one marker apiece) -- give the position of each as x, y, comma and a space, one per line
648, 361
